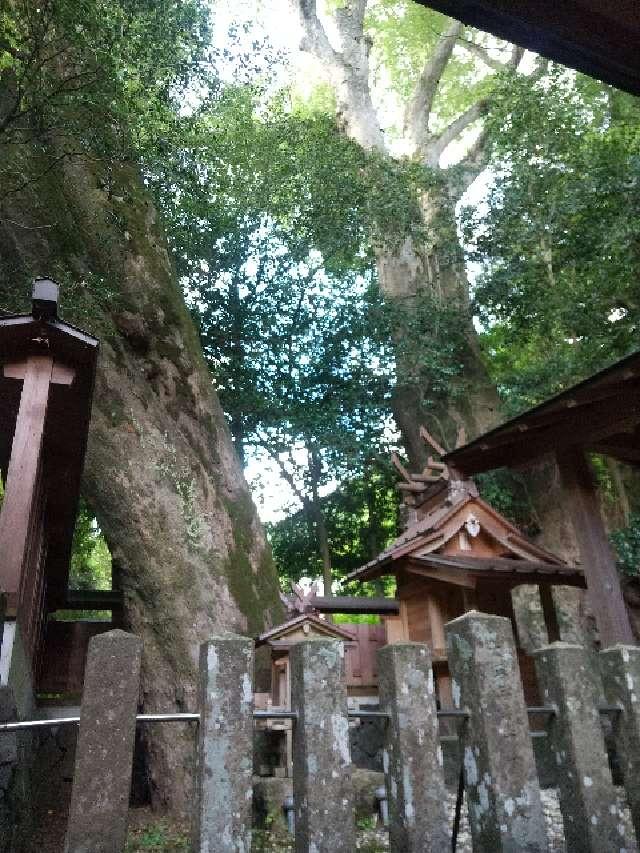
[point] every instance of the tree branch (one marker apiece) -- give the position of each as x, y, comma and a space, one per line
284, 471
347, 69
315, 39
482, 53
453, 130
419, 108
475, 160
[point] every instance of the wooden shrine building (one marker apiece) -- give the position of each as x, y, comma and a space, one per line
458, 554
280, 639
47, 370
361, 641
600, 415
305, 622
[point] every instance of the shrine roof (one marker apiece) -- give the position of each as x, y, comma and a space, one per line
600, 415
66, 425
460, 509
280, 631
597, 37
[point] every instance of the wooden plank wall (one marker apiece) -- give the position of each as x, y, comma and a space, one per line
64, 655
360, 659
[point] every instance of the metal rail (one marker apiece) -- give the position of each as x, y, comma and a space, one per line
460, 713
26, 725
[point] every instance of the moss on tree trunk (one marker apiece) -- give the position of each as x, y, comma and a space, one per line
161, 473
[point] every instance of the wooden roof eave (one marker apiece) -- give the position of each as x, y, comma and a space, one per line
329, 629
600, 39
588, 414
514, 572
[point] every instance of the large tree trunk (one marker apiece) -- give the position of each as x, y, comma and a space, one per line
470, 401
161, 473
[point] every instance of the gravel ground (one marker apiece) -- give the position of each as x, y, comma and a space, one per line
150, 834
376, 840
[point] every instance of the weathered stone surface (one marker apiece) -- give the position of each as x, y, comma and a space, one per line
503, 794
412, 757
321, 761
269, 793
161, 472
10, 807
366, 742
222, 814
587, 797
364, 784
104, 756
621, 676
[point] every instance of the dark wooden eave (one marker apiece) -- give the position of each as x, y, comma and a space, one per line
599, 415
504, 569
601, 38
66, 427
354, 604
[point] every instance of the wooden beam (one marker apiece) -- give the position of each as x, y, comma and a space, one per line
584, 425
395, 459
549, 612
426, 436
353, 604
596, 554
458, 577
469, 600
94, 599
22, 476
436, 623
60, 375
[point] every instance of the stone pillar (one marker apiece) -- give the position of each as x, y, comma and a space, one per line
224, 792
503, 794
587, 797
10, 809
620, 666
412, 756
321, 761
104, 755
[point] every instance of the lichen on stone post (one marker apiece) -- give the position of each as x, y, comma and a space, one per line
104, 755
412, 756
322, 791
224, 792
588, 801
503, 793
620, 667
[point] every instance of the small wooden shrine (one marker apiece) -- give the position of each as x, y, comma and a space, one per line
304, 623
47, 370
361, 641
458, 554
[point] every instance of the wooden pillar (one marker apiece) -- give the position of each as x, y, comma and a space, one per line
22, 476
436, 623
549, 612
469, 600
596, 554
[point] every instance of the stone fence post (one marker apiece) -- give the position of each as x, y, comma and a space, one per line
587, 796
503, 794
412, 756
9, 809
104, 754
224, 766
322, 794
621, 675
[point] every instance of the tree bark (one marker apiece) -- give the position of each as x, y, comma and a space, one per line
437, 268
320, 526
161, 473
